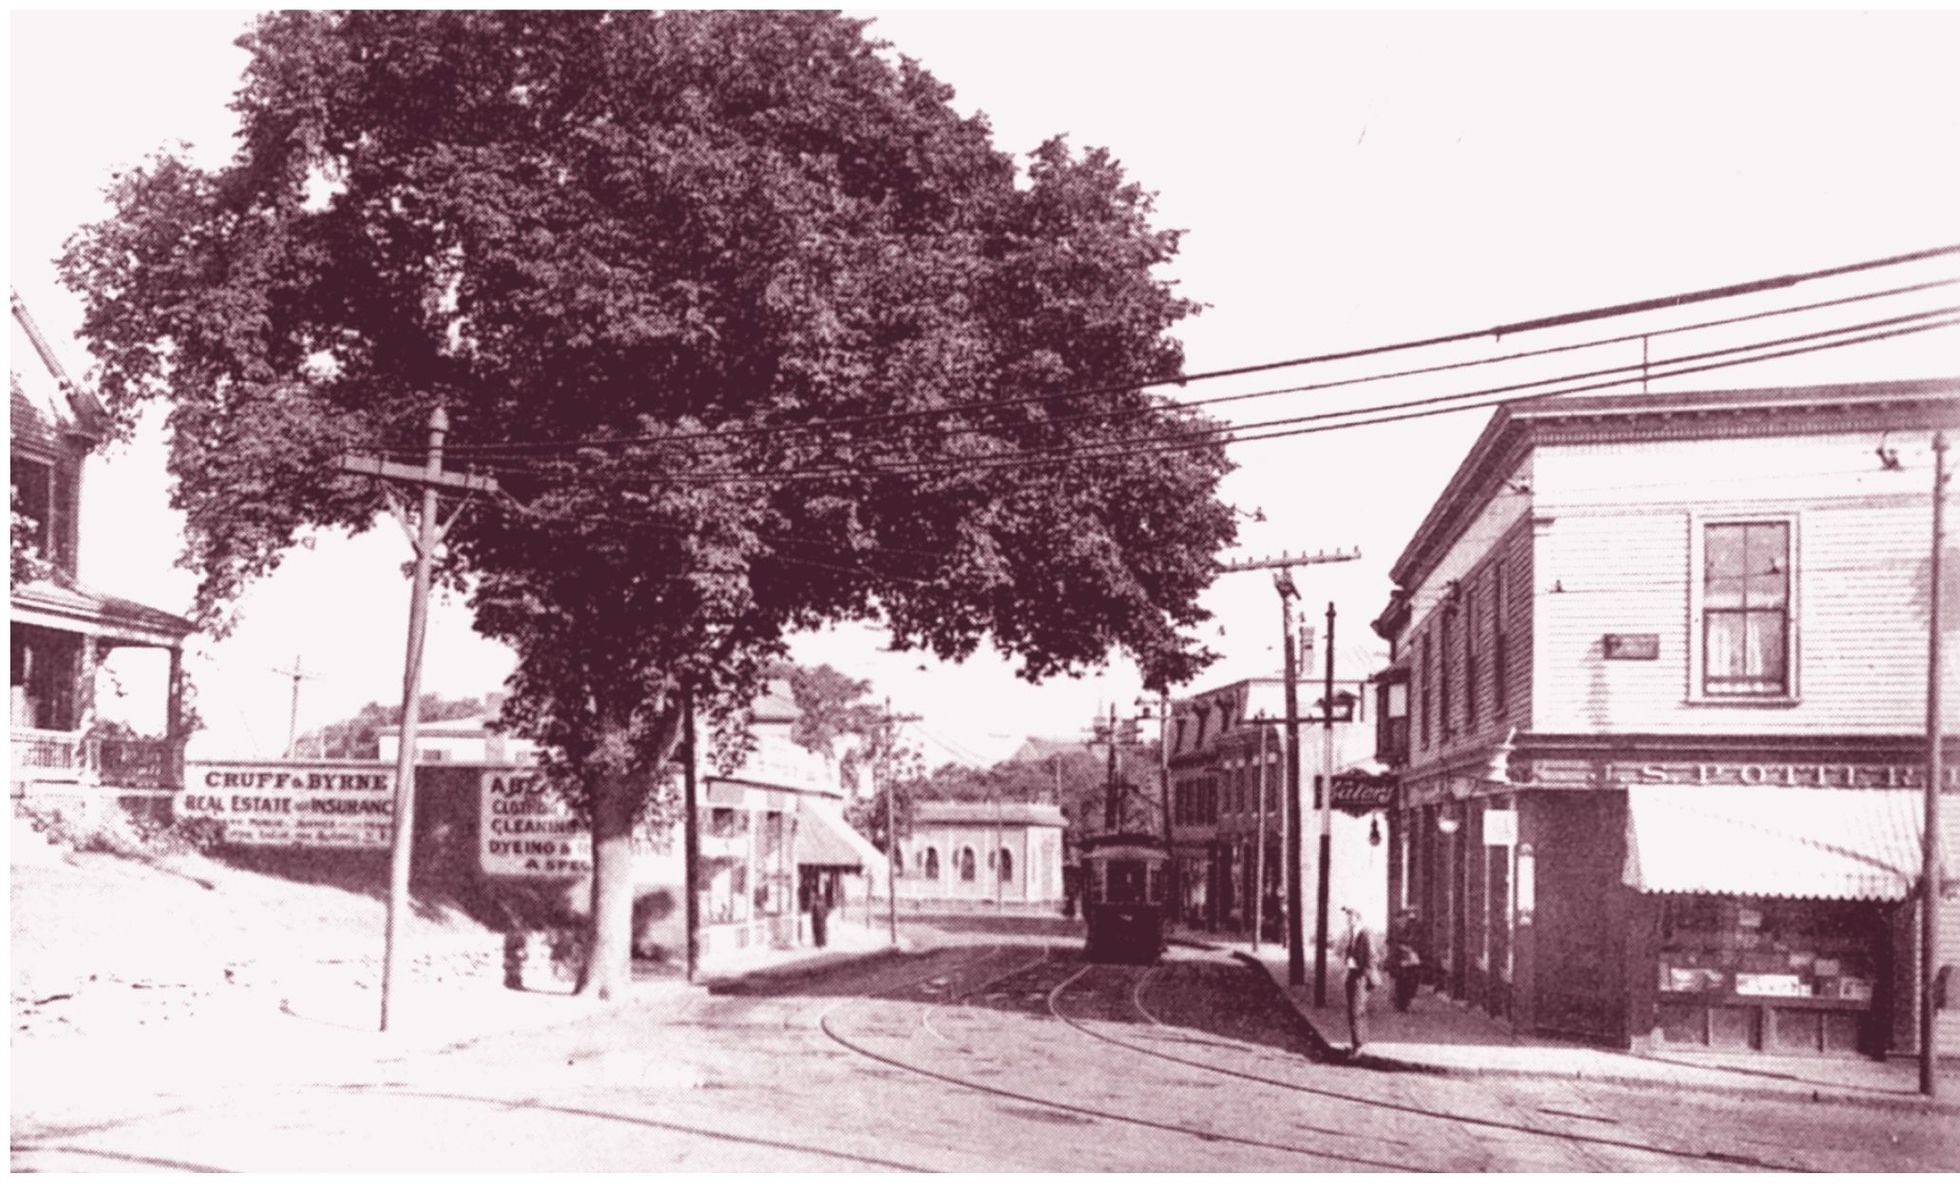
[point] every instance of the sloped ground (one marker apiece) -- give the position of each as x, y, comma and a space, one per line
145, 934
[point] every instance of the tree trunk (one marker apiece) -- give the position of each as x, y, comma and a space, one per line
609, 962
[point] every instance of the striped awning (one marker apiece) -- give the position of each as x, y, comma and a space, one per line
824, 838
1792, 842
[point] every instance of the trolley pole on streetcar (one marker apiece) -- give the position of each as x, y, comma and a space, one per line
425, 536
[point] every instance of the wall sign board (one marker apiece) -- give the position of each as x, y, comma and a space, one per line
316, 804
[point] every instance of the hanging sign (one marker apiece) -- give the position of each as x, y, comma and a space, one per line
1361, 793
1500, 827
526, 829
322, 805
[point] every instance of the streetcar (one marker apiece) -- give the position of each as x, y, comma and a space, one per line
1125, 896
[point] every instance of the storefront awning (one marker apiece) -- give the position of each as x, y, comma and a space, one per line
1793, 842
824, 838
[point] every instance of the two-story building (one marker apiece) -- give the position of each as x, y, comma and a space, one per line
1660, 673
1227, 757
62, 634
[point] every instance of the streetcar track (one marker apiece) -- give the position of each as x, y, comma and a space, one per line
1058, 1105
1575, 1139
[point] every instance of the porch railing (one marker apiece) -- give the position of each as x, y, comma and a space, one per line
70, 756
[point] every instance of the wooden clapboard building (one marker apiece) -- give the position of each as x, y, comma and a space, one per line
1657, 709
61, 632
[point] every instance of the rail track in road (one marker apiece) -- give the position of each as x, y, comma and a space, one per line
977, 983
1135, 993
1063, 1106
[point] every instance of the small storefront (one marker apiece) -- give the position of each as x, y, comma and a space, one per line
745, 884
1738, 973
1675, 904
1777, 913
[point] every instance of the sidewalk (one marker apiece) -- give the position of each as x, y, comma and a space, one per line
1439, 1036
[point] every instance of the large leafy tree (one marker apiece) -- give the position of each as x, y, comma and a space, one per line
757, 333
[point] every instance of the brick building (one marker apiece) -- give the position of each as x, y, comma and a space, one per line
1660, 667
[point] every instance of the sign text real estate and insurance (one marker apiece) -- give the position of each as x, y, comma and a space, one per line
346, 806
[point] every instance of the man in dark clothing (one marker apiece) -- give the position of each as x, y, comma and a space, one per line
819, 917
1404, 960
1360, 980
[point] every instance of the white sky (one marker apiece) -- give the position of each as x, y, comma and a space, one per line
1345, 180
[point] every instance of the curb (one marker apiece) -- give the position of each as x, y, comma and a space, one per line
760, 981
1325, 1051
1798, 1090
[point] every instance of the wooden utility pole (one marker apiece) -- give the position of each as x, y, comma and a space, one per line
1929, 868
1324, 794
1290, 811
292, 718
691, 828
1296, 962
425, 537
888, 730
1164, 795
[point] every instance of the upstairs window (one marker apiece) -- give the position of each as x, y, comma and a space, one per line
1745, 609
1500, 686
1427, 679
1469, 657
1006, 865
932, 863
966, 865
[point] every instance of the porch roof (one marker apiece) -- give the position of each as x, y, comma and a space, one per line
59, 606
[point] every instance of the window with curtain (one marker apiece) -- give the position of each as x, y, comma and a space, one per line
932, 863
967, 864
1745, 609
1006, 865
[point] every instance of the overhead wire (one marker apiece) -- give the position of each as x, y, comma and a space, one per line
1497, 332
1226, 435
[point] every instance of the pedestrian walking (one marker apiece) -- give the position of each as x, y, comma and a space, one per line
1360, 955
1404, 959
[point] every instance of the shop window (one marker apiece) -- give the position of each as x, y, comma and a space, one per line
1426, 678
1746, 598
967, 866
1006, 865
1499, 647
932, 863
1445, 711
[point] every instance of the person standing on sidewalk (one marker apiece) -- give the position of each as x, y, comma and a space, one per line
1360, 955
1404, 960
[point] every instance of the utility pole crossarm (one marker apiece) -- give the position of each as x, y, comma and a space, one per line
415, 474
1336, 556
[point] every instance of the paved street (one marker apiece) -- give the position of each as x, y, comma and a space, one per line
982, 1054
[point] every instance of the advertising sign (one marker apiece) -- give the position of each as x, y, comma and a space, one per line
527, 831
341, 806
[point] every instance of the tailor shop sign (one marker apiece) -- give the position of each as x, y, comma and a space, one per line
527, 832
334, 806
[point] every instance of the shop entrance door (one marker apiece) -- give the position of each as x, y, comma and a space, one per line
1581, 986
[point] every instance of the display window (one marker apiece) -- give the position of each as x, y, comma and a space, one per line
1768, 974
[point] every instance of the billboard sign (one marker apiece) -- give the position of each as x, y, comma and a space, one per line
527, 831
310, 803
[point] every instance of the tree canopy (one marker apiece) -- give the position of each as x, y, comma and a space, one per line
755, 331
